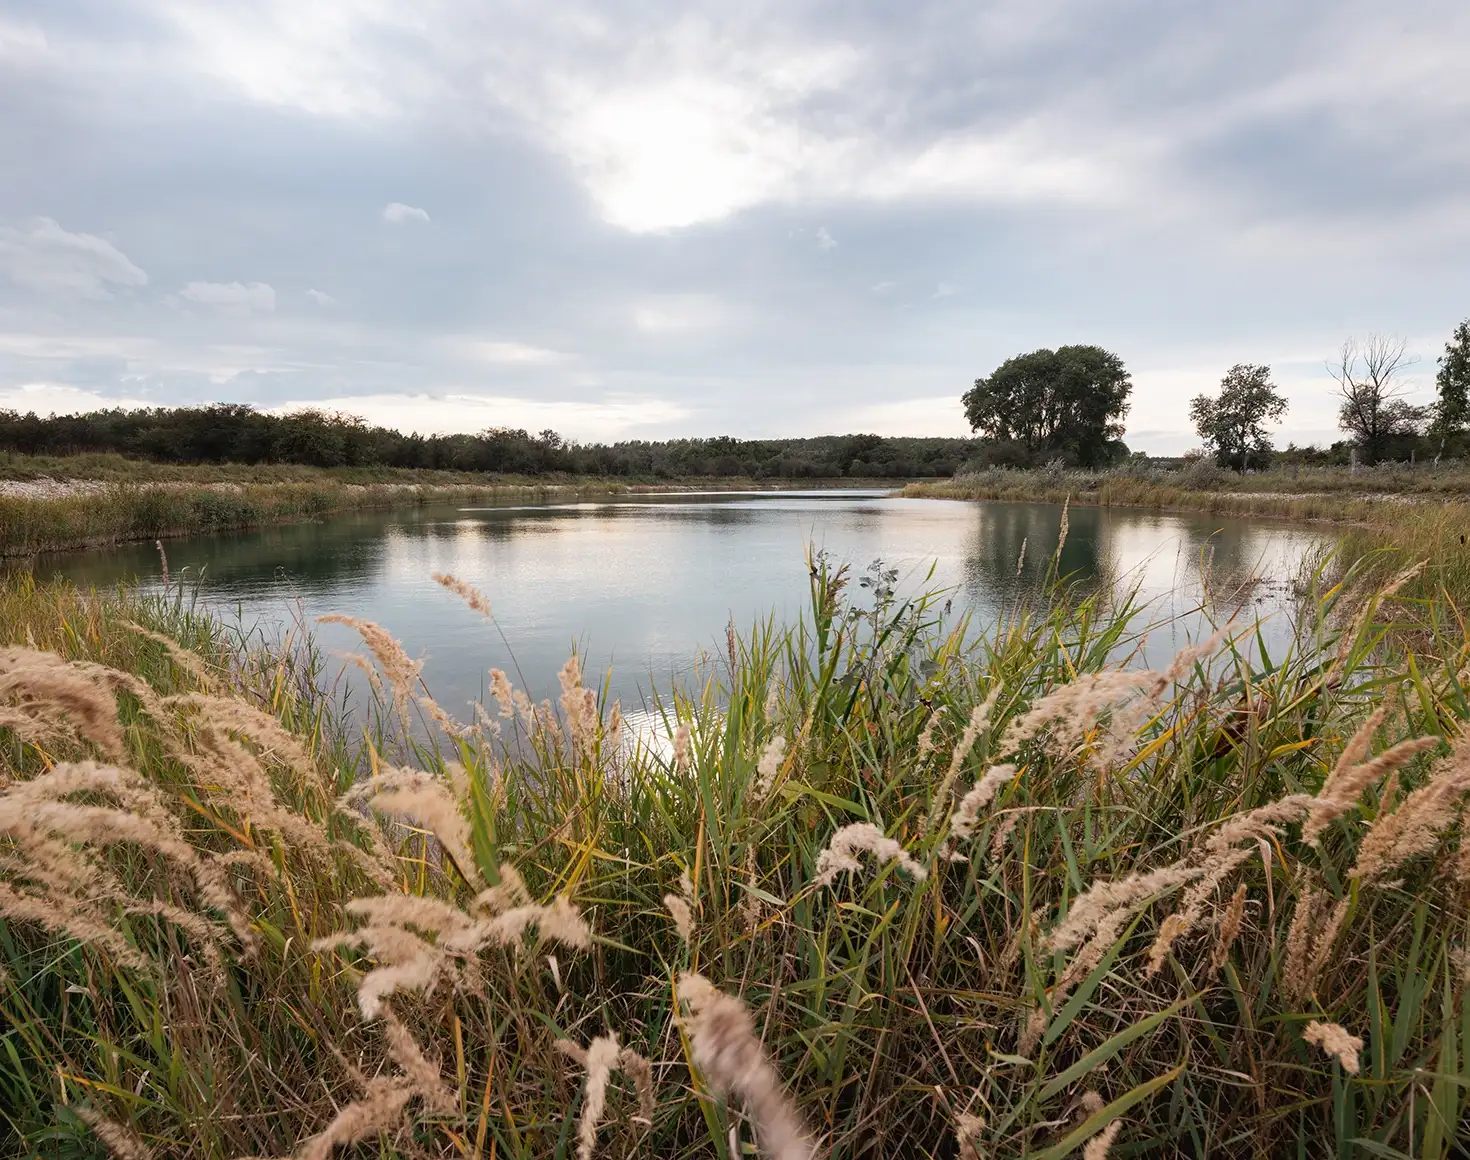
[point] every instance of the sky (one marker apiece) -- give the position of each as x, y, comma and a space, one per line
621, 219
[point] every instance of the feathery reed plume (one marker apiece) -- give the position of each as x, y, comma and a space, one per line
403, 675
1230, 924
504, 694
926, 735
47, 697
1301, 941
1062, 531
506, 894
1415, 827
979, 718
726, 1050
1074, 708
1104, 900
188, 660
162, 564
1170, 929
967, 1130
421, 1072
598, 1059
396, 929
411, 793
69, 884
262, 728
1100, 1145
681, 746
1352, 775
730, 646
380, 1108
615, 727
472, 596
637, 1068
769, 767
121, 1141
578, 704
1335, 1041
1021, 559
962, 824
840, 856
681, 907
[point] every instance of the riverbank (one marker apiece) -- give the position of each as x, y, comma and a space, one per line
206, 949
1226, 497
1383, 528
44, 512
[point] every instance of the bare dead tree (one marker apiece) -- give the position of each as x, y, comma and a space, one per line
1371, 386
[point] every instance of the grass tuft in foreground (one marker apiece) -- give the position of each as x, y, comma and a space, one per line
878, 887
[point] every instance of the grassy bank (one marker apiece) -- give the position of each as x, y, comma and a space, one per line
123, 513
1319, 492
1123, 490
882, 889
88, 501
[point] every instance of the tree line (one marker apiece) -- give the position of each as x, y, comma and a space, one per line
1067, 406
237, 433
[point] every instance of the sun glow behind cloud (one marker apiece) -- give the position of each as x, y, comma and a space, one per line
733, 220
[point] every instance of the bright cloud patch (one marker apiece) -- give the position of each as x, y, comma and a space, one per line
242, 297
60, 399
43, 256
321, 298
397, 213
604, 420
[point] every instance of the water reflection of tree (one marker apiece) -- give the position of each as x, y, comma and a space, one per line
1232, 562
993, 549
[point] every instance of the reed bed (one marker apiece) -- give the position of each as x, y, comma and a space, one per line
880, 886
127, 512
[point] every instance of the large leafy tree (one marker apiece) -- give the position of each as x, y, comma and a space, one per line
1067, 403
1452, 410
1233, 423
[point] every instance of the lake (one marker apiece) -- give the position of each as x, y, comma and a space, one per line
642, 585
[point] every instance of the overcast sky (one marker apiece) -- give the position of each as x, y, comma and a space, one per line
624, 219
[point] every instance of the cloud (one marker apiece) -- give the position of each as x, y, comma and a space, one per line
947, 290
232, 297
680, 313
825, 241
943, 415
617, 191
43, 256
61, 399
472, 349
397, 213
603, 419
321, 298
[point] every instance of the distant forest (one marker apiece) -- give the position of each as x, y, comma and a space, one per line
236, 433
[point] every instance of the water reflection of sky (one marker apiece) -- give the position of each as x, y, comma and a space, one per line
644, 584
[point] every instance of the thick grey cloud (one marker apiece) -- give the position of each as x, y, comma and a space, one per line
616, 219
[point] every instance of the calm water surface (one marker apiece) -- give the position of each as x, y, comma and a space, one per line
644, 585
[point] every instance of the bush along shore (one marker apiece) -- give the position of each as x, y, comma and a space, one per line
880, 886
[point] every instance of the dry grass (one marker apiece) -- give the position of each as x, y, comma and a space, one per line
1214, 910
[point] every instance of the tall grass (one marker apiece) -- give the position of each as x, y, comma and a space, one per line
881, 886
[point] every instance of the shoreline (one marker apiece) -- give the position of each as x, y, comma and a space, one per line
46, 515
1297, 507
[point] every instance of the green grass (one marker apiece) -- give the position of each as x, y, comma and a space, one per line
888, 1004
